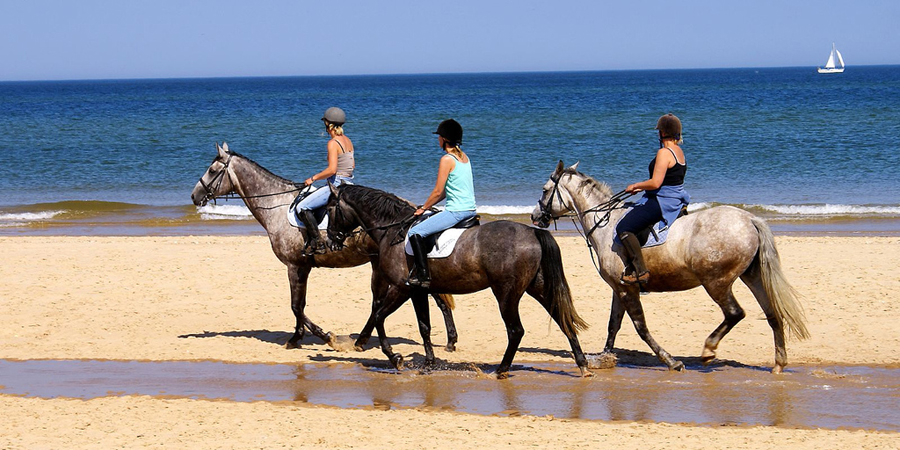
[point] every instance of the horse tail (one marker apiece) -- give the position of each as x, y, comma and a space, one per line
782, 295
447, 299
556, 288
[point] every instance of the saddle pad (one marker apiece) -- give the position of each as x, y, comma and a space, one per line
296, 222
444, 244
659, 232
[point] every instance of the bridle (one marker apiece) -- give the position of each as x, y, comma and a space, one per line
337, 237
215, 182
617, 201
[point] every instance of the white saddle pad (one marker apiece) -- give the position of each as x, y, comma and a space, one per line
296, 222
444, 245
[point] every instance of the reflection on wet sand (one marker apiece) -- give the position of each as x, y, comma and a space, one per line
813, 397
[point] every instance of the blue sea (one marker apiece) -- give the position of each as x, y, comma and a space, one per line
810, 152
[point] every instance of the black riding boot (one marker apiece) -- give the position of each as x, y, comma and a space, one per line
639, 272
419, 276
314, 244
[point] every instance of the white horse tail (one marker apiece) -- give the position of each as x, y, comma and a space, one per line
782, 296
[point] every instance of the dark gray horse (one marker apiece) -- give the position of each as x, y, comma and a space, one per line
508, 257
711, 248
268, 197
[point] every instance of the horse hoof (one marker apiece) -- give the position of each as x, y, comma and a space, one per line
397, 361
585, 373
678, 366
330, 339
502, 375
778, 369
707, 356
292, 344
359, 348
451, 347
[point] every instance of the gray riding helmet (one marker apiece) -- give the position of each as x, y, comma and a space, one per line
335, 115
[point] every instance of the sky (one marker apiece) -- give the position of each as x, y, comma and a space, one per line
114, 39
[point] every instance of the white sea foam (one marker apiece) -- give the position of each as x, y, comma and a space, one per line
20, 218
830, 210
505, 209
224, 212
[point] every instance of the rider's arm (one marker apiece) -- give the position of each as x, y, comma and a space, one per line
664, 160
438, 193
332, 164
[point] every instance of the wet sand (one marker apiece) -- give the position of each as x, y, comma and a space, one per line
226, 299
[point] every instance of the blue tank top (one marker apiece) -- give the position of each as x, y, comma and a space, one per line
460, 187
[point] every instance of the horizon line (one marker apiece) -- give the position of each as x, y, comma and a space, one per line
226, 77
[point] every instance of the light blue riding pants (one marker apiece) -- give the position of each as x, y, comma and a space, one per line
319, 197
439, 222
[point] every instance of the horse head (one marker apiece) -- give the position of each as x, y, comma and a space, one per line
554, 202
342, 219
216, 181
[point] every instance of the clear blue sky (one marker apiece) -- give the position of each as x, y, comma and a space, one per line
91, 39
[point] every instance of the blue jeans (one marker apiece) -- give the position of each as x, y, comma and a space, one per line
439, 222
319, 197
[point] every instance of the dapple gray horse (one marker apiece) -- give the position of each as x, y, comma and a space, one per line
711, 248
268, 197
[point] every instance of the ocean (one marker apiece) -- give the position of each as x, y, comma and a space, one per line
812, 153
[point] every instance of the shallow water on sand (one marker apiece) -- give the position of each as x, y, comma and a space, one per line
831, 397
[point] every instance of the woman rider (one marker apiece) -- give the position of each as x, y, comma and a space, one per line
454, 182
339, 170
664, 196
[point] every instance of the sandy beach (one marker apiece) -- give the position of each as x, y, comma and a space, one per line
225, 298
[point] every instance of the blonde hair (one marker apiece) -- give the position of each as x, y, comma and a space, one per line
333, 127
455, 150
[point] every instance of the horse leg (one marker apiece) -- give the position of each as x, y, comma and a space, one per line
390, 303
509, 311
379, 291
297, 278
631, 300
447, 312
616, 313
423, 317
577, 353
753, 280
724, 297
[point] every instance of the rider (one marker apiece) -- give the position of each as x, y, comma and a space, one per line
454, 182
664, 196
339, 170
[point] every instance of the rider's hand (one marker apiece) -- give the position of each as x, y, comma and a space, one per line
308, 182
419, 211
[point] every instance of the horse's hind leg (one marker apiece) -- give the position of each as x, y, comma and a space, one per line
447, 312
631, 300
724, 297
753, 281
509, 311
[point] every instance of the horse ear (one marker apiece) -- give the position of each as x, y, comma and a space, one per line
223, 149
574, 166
559, 168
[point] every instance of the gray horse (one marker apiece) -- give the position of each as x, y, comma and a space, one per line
268, 197
711, 248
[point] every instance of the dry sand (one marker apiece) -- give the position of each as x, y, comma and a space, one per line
127, 298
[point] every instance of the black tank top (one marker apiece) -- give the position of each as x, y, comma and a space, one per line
674, 174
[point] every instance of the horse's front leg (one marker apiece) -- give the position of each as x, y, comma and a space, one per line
379, 292
394, 299
423, 317
631, 300
297, 277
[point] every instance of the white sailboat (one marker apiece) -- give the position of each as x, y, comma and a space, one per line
830, 66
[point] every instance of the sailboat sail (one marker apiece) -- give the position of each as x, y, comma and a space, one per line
830, 67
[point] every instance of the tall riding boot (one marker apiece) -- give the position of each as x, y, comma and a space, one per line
419, 276
639, 272
314, 243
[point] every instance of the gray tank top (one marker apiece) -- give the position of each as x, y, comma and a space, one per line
345, 163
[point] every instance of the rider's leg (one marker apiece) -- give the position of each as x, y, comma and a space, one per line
632, 247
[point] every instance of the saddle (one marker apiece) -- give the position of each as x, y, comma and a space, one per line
440, 245
657, 233
319, 213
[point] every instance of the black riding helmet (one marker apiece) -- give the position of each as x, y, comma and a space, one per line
669, 127
451, 131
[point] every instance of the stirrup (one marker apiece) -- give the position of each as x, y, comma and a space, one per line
413, 280
316, 248
630, 278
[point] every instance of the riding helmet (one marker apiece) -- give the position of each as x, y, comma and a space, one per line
335, 115
451, 131
669, 127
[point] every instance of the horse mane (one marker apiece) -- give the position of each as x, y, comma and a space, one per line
261, 168
383, 205
589, 184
